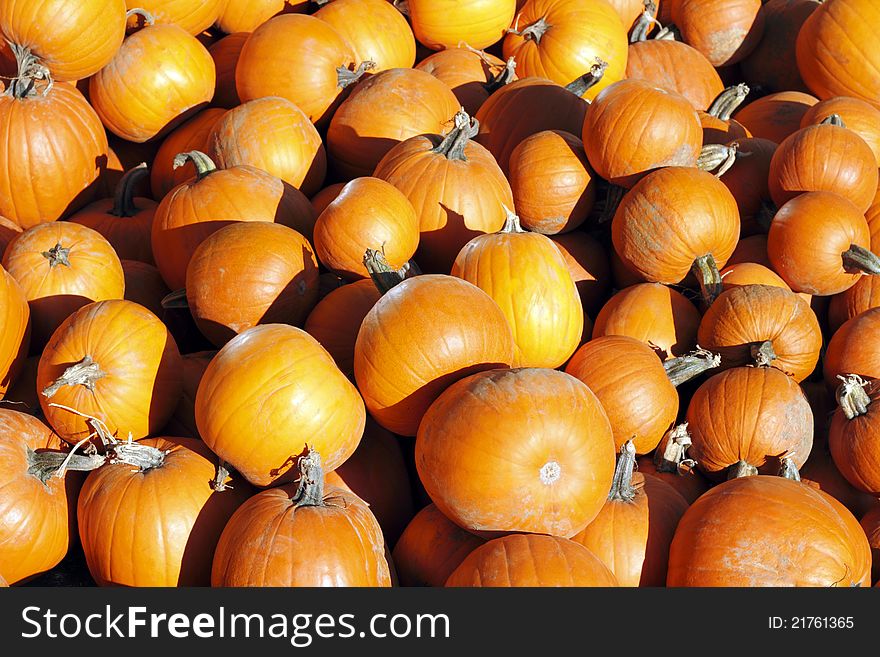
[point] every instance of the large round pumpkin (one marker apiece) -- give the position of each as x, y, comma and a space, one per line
857, 115
226, 53
853, 349
776, 116
15, 330
854, 434
440, 24
725, 31
473, 75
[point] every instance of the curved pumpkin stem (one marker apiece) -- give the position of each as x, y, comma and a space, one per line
346, 78
511, 222
719, 156
788, 470
762, 353
833, 119
671, 455
48, 463
741, 469
123, 199
57, 255
84, 373
30, 72
728, 101
858, 259
706, 272
503, 77
204, 165
453, 144
535, 31
384, 276
684, 368
852, 396
591, 78
621, 485
219, 483
668, 33
175, 300
645, 23
149, 19
311, 480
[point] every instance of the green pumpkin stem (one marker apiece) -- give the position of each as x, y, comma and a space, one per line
175, 300
123, 198
579, 86
833, 119
346, 78
204, 165
691, 365
706, 272
84, 373
741, 469
645, 23
858, 259
464, 129
621, 485
852, 397
728, 101
719, 156
310, 491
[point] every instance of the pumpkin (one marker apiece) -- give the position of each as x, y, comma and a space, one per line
751, 249
857, 115
853, 435
632, 386
852, 349
690, 204
266, 394
194, 16
8, 230
819, 243
465, 198
588, 266
45, 184
73, 40
523, 560
821, 473
747, 181
159, 77
326, 196
61, 267
522, 450
124, 221
225, 54
676, 67
826, 157
561, 39
471, 74
194, 210
377, 474
750, 273
654, 314
34, 517
430, 548
543, 309
271, 134
333, 539
375, 30
248, 15
312, 78
835, 50
15, 330
725, 31
369, 213
768, 531
144, 285
440, 24
718, 127
336, 319
130, 383
756, 415
633, 531
123, 511
634, 12
552, 181
250, 273
422, 336
382, 111
765, 324
776, 116
191, 136
870, 522
183, 421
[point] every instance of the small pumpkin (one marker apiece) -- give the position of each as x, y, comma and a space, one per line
440, 24
15, 330
776, 116
473, 75
853, 436
725, 31
857, 115
226, 53
852, 350
191, 136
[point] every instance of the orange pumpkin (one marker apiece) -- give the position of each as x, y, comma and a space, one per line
191, 136
857, 115
248, 15
588, 265
8, 230
750, 273
747, 181
15, 330
853, 435
183, 421
440, 24
194, 16
225, 54
326, 196
776, 116
144, 285
471, 74
853, 349
725, 31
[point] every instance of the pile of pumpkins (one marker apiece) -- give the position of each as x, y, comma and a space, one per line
440, 292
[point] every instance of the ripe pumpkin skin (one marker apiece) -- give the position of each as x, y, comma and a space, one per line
369, 213
440, 24
123, 511
521, 450
144, 285
34, 520
8, 230
670, 136
141, 363
852, 349
248, 15
280, 390
15, 330
382, 111
194, 16
651, 313
430, 548
634, 389
725, 32
469, 74
575, 36
768, 531
588, 266
183, 421
335, 321
751, 414
271, 134
73, 40
191, 136
53, 289
138, 98
326, 196
421, 337
63, 118
751, 314
250, 273
721, 131
747, 180
853, 444
776, 116
531, 560
226, 53
858, 116
542, 308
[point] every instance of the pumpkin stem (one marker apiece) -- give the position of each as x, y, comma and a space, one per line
706, 272
176, 299
219, 483
762, 353
687, 367
453, 144
346, 78
858, 259
44, 464
622, 486
835, 120
402, 6
383, 275
728, 101
204, 165
788, 470
504, 77
579, 86
30, 71
668, 33
741, 469
852, 396
719, 156
123, 199
57, 255
671, 453
143, 457
535, 31
311, 480
149, 19
645, 23
84, 373
511, 222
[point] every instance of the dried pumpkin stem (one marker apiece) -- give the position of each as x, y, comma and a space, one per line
149, 19
84, 373
852, 396
762, 353
645, 23
671, 455
453, 144
311, 480
858, 259
176, 299
45, 464
788, 470
728, 101
668, 33
220, 483
123, 199
140, 456
511, 222
57, 255
30, 71
535, 31
503, 77
579, 86
346, 78
384, 275
621, 485
719, 156
706, 272
400, 5
204, 165
691, 365
833, 119
741, 469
